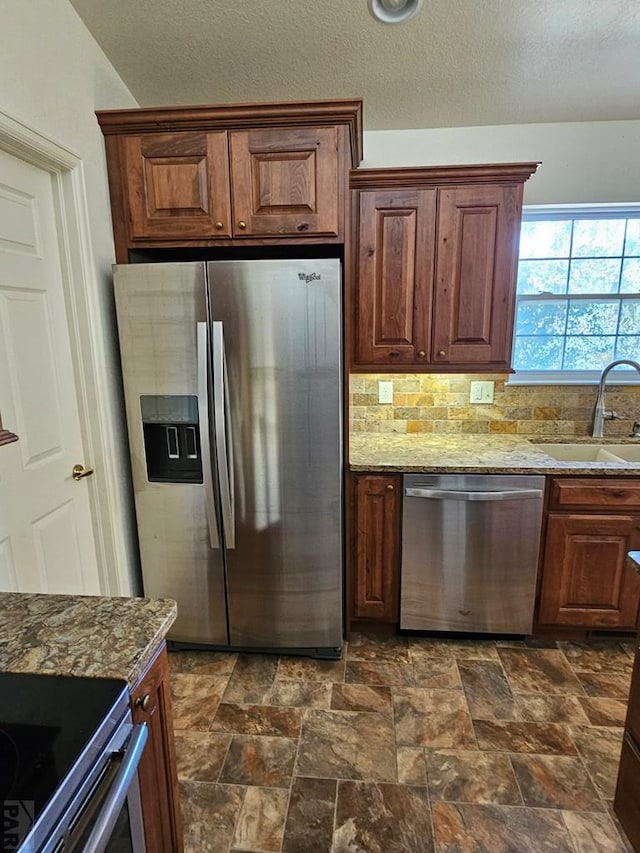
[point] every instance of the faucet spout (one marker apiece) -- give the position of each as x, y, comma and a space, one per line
599, 412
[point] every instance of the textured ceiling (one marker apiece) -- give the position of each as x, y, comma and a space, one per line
456, 63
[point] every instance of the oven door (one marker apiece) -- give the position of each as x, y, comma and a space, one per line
105, 814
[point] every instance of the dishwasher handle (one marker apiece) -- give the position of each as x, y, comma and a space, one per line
453, 495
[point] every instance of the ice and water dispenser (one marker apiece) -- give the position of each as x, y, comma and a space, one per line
171, 438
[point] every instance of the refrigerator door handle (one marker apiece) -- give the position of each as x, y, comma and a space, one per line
223, 434
205, 440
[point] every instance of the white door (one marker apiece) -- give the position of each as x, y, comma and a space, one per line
46, 535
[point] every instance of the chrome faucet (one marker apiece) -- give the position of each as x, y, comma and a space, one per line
600, 414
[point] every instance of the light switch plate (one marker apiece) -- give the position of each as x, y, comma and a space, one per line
481, 392
385, 392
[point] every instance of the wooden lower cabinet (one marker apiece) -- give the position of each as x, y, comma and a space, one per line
587, 579
626, 803
376, 547
632, 725
151, 704
627, 797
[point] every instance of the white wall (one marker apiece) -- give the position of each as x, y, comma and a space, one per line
582, 163
53, 76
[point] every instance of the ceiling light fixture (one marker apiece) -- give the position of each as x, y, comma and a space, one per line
394, 11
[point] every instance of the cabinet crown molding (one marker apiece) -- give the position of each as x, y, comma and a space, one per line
427, 176
238, 116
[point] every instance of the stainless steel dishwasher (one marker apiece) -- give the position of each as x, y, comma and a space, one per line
470, 552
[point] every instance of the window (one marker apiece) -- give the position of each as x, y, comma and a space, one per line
578, 294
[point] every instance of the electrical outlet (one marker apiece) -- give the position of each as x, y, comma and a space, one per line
481, 392
385, 392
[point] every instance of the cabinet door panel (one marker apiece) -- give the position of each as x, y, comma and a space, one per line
627, 797
587, 580
151, 704
395, 276
377, 544
475, 273
178, 185
285, 182
632, 723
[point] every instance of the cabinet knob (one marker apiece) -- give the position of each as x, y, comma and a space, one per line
219, 225
143, 702
441, 353
389, 487
421, 354
242, 225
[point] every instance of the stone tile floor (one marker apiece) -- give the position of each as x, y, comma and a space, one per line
403, 745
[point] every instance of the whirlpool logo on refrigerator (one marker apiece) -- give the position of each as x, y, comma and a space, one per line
309, 277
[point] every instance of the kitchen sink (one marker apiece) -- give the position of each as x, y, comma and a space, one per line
592, 452
628, 452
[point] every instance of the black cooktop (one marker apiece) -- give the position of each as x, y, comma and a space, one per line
46, 722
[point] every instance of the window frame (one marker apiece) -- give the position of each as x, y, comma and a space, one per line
572, 377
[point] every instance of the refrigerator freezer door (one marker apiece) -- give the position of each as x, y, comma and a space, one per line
282, 327
158, 308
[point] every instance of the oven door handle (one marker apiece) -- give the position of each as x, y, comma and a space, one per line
106, 819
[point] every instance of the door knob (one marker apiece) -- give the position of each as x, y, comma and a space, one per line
242, 225
79, 471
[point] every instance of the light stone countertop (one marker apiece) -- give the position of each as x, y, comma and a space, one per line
81, 635
483, 454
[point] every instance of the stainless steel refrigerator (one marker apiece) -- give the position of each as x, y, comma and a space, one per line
233, 391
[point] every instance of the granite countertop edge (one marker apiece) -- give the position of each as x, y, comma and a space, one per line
90, 636
481, 454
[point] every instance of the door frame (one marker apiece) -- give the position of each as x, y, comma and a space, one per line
79, 277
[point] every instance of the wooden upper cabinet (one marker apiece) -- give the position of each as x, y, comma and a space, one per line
177, 183
206, 176
285, 182
435, 265
395, 275
477, 241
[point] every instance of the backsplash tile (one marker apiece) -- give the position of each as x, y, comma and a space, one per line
439, 403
